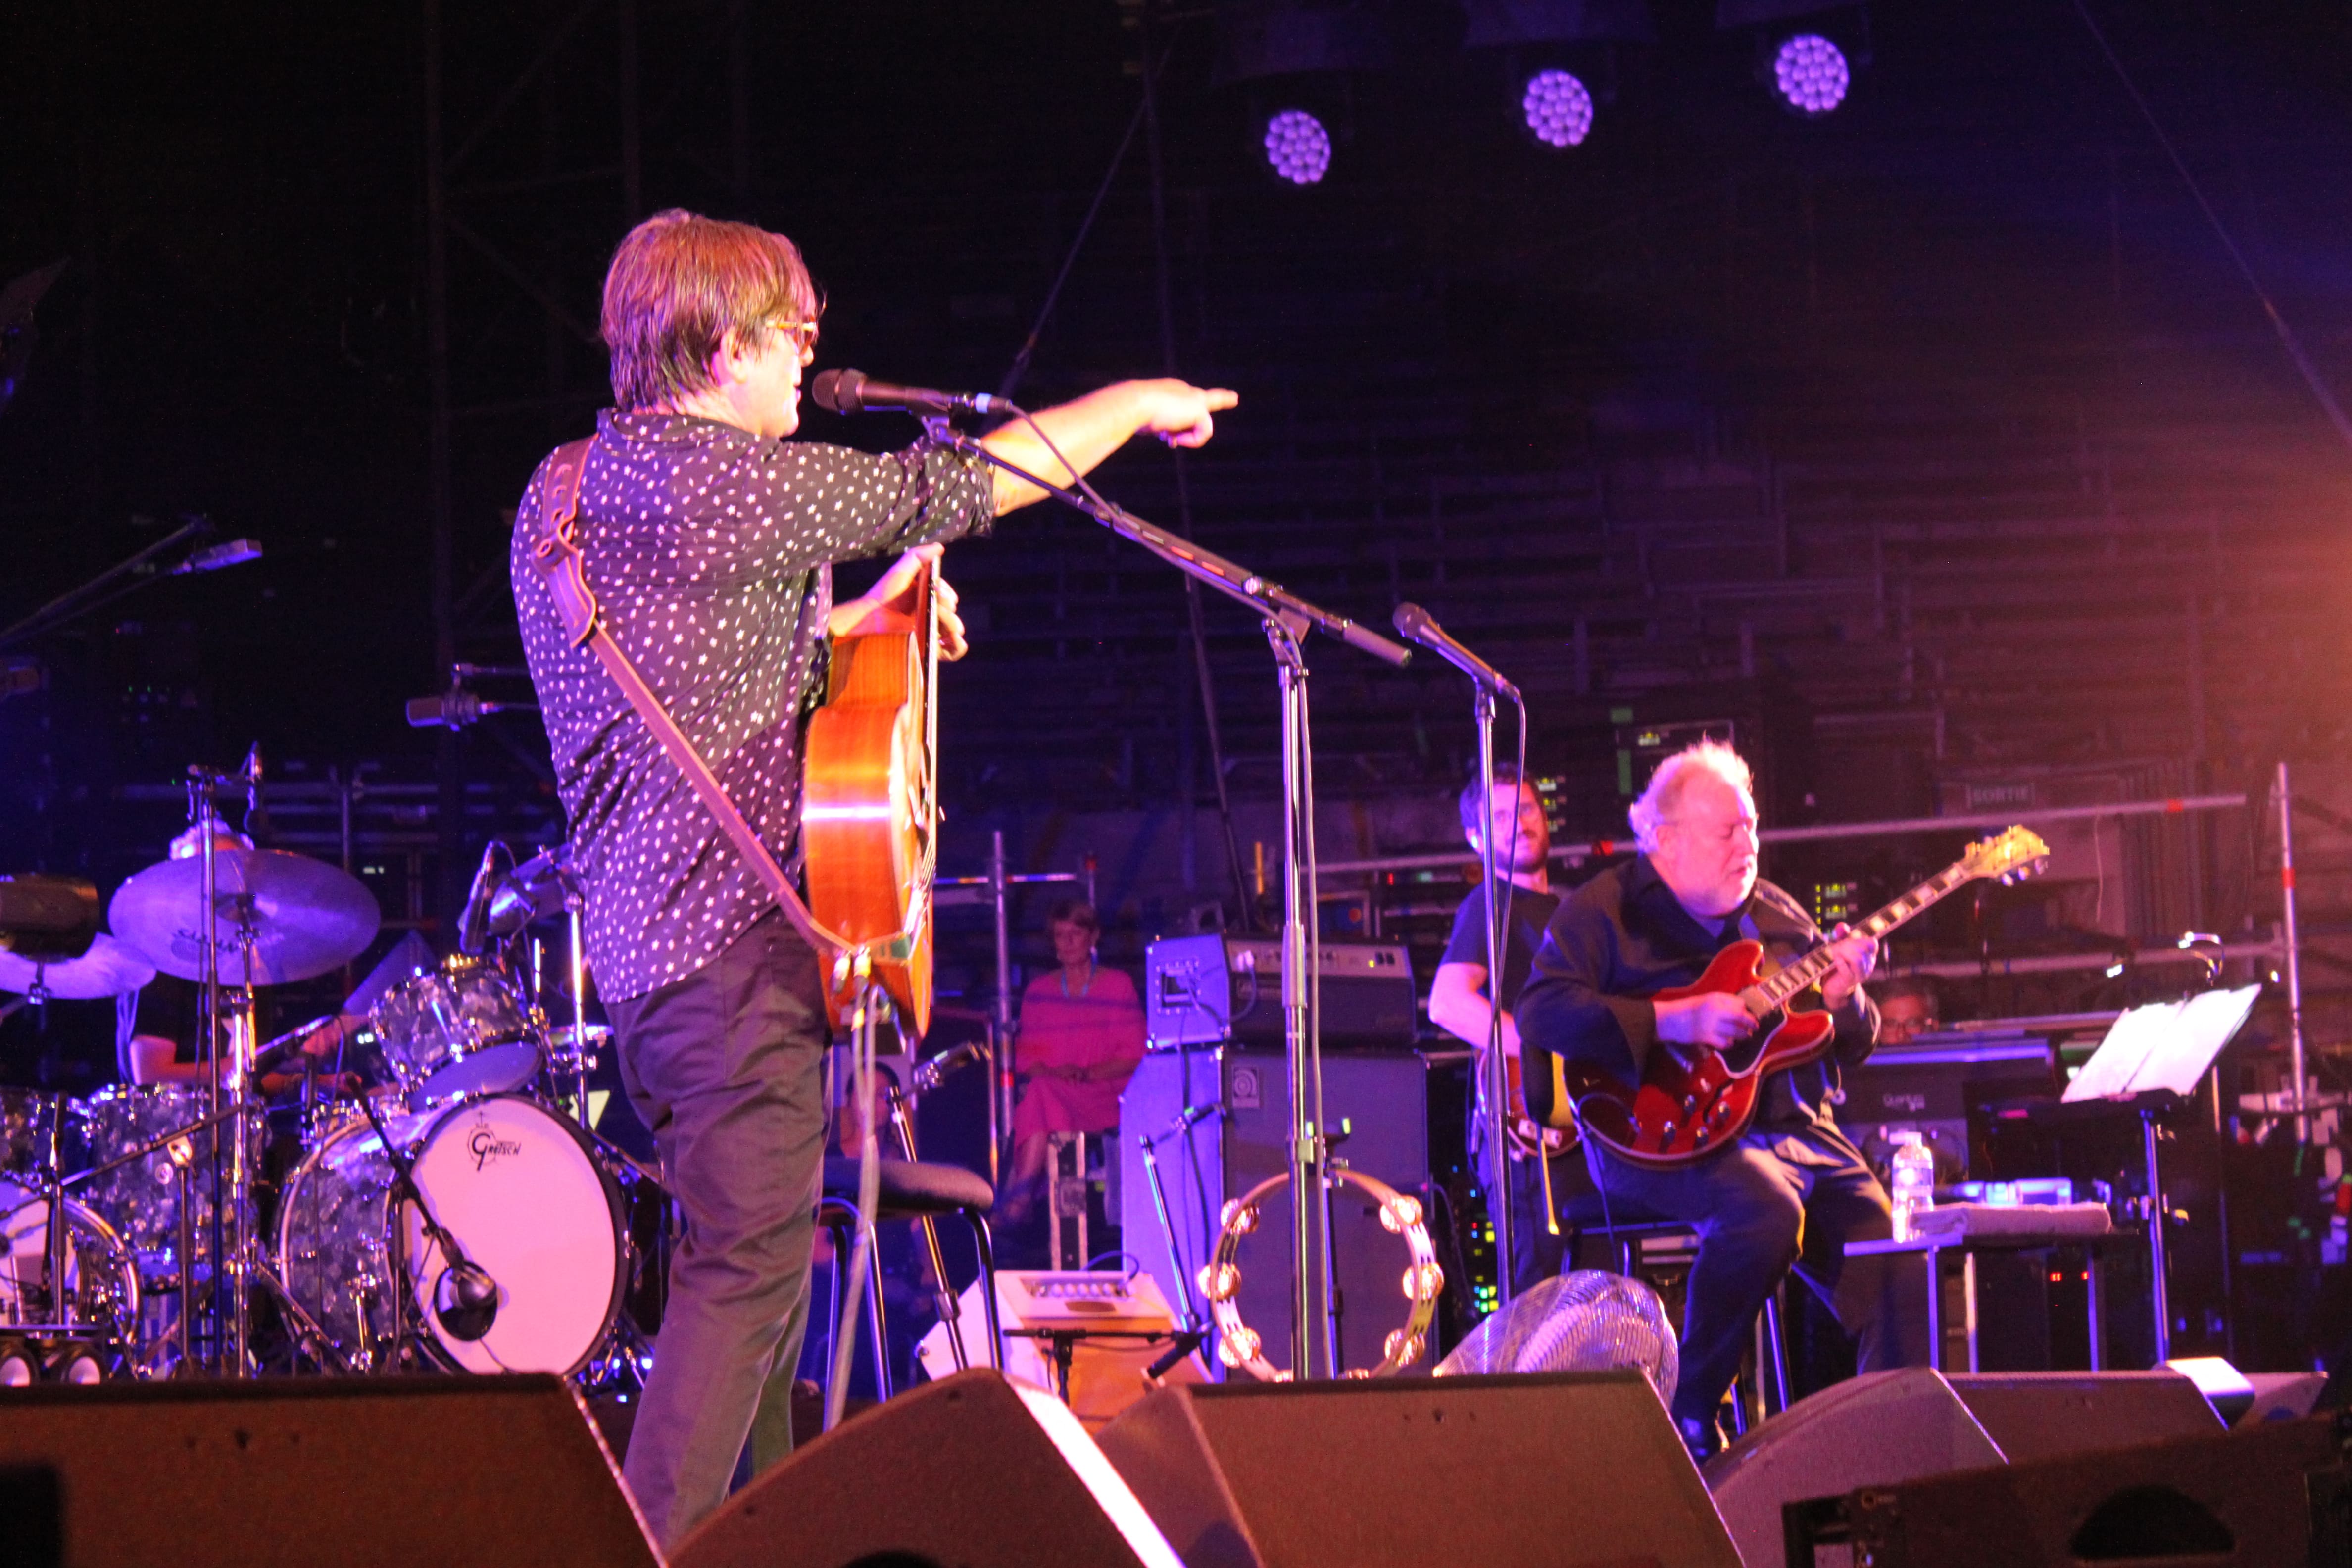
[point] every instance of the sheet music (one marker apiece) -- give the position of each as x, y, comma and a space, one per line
2166, 1045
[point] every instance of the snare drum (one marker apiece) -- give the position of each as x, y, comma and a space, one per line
139, 1199
527, 1202
460, 1030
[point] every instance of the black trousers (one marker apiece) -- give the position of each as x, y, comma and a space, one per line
1770, 1202
726, 1067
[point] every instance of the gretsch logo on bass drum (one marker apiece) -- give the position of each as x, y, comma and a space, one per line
485, 1145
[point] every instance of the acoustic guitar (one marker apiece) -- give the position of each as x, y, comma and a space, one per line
1684, 1110
869, 814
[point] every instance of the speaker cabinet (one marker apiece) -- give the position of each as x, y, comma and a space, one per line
1566, 1471
1890, 1427
2041, 1414
1382, 1097
355, 1473
2269, 1497
1877, 1428
971, 1471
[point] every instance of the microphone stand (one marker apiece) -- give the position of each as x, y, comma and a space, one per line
75, 602
404, 1190
1287, 618
1495, 1078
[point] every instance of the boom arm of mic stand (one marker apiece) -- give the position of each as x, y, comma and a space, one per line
1269, 599
66, 605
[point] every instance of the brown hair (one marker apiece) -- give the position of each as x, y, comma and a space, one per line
1473, 807
1076, 913
679, 285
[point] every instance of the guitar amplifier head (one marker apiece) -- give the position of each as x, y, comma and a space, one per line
1200, 990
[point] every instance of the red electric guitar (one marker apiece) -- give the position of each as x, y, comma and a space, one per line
1681, 1113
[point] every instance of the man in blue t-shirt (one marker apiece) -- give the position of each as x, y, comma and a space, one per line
1459, 1000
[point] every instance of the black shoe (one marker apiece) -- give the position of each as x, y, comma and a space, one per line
1703, 1438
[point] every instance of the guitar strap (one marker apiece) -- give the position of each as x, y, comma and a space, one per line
555, 557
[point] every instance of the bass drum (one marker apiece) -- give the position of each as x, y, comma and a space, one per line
523, 1195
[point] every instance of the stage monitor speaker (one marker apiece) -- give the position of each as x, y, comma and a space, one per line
971, 1471
1889, 1427
1873, 1430
390, 1472
1379, 1100
2271, 1496
1563, 1469
2035, 1416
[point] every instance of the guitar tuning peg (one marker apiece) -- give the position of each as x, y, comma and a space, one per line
2009, 878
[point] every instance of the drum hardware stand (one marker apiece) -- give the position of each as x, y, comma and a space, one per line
237, 1247
179, 1146
1287, 618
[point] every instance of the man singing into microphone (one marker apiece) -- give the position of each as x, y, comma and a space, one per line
710, 541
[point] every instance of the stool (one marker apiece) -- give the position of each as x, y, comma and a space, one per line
1625, 1226
908, 1190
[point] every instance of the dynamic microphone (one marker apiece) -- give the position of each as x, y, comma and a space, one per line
466, 1301
854, 392
1419, 626
474, 921
1190, 1116
214, 557
455, 710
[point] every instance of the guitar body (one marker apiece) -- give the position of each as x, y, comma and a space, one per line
1678, 1114
867, 817
1528, 1135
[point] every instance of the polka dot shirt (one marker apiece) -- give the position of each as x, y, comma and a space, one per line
710, 550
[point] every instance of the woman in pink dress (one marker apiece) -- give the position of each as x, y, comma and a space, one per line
1081, 1035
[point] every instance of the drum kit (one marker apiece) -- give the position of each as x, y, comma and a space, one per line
446, 1205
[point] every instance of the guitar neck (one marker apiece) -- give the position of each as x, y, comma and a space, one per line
1777, 988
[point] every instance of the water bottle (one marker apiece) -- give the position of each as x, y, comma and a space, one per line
1911, 1182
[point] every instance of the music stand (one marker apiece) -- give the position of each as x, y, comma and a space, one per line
2151, 1060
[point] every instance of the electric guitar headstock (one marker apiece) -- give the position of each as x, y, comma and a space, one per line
2009, 857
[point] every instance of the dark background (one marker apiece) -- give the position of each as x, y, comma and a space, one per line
1941, 443
1941, 437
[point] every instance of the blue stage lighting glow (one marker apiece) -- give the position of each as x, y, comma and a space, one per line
1558, 109
1812, 75
1297, 147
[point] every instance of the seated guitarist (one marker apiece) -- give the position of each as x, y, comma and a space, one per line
1790, 1192
1459, 995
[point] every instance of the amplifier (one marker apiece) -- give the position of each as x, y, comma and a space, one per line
1199, 990
1929, 1089
1378, 1098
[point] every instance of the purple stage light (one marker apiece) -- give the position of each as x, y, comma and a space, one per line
1811, 74
1558, 109
1297, 147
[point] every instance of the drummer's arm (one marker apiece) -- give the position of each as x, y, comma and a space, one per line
155, 1060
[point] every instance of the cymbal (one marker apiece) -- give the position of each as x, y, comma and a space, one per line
305, 915
108, 969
